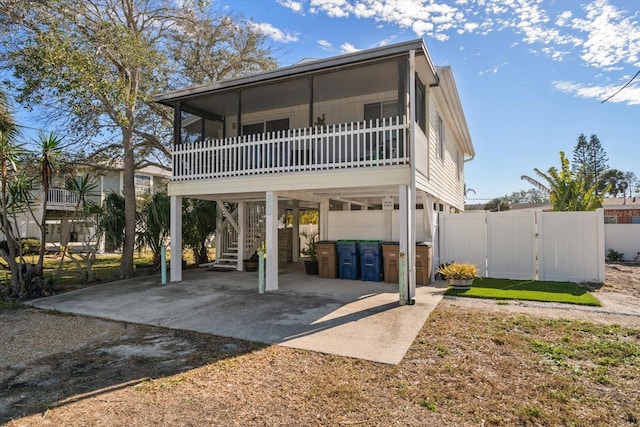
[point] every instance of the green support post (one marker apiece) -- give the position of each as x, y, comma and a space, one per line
163, 265
261, 271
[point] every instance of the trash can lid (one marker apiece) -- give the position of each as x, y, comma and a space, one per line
424, 244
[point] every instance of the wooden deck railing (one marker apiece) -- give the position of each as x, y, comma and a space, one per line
347, 145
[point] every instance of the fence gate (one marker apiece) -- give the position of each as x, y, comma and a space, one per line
562, 246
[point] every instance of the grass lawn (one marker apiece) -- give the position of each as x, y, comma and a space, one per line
465, 368
529, 290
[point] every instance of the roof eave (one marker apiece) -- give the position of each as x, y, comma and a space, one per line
307, 67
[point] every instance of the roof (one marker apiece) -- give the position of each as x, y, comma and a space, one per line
306, 66
621, 203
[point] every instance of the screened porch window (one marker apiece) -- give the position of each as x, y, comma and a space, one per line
267, 126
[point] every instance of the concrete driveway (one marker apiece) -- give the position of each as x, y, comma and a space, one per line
345, 317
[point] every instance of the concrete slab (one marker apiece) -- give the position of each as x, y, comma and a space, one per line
345, 317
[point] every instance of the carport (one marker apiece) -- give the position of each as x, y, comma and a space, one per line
349, 318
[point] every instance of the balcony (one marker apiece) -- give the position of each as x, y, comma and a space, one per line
61, 199
361, 144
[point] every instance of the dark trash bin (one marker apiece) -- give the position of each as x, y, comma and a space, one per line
391, 262
347, 259
370, 260
327, 259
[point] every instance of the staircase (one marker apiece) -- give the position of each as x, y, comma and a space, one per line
227, 237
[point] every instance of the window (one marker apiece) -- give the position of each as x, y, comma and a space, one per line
276, 125
610, 219
380, 110
421, 99
252, 129
267, 126
142, 184
440, 146
458, 164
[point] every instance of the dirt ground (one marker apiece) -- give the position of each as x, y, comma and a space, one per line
463, 369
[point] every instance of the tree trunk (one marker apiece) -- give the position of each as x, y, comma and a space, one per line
43, 228
126, 264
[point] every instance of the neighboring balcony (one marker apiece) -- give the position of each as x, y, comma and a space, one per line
61, 199
362, 144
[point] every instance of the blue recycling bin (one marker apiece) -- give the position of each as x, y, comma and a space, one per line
347, 259
370, 260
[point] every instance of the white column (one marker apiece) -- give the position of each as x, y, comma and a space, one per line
295, 238
388, 225
324, 219
271, 275
242, 226
64, 231
411, 210
176, 238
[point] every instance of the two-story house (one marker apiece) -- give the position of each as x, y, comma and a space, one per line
375, 140
63, 226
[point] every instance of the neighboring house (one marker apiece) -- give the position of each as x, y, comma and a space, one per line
375, 140
62, 227
621, 210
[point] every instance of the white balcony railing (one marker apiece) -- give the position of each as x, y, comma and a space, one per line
62, 197
347, 145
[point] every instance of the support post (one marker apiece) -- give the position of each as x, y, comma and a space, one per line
163, 265
272, 240
295, 238
242, 233
403, 236
324, 219
402, 286
261, 271
411, 211
176, 238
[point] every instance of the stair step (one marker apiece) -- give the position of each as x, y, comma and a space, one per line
223, 267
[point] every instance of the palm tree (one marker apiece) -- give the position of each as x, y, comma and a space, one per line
468, 190
113, 220
569, 191
199, 222
84, 187
154, 225
48, 162
10, 150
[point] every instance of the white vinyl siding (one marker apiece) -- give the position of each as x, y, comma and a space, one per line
445, 180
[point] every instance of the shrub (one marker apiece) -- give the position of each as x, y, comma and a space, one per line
458, 271
29, 245
613, 255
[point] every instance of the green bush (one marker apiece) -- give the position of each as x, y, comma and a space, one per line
613, 255
29, 245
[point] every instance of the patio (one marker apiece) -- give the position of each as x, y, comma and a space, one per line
344, 317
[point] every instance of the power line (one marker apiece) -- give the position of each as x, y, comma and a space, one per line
620, 90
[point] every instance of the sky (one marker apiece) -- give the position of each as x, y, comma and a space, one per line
531, 74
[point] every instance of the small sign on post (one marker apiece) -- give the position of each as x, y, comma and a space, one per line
387, 203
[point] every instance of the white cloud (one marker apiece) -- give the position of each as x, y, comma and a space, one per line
598, 33
324, 44
348, 48
629, 95
296, 6
275, 33
612, 37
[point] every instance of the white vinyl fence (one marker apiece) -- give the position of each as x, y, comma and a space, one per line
560, 246
624, 238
